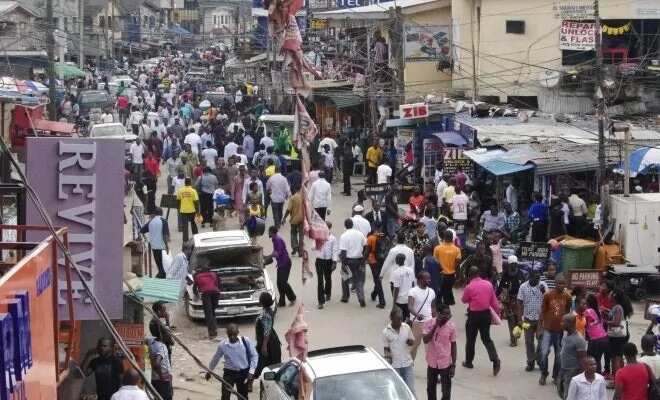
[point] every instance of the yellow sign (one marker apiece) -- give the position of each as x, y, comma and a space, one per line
319, 23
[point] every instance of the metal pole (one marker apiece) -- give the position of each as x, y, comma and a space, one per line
475, 88
50, 50
600, 97
105, 33
81, 28
626, 163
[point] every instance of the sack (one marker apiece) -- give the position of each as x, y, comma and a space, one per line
494, 317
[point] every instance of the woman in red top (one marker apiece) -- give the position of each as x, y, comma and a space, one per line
417, 202
632, 381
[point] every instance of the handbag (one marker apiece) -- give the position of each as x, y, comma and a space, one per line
494, 317
654, 390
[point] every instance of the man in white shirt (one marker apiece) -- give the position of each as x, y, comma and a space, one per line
320, 195
402, 279
588, 385
194, 140
352, 252
210, 155
399, 248
420, 298
231, 149
383, 173
130, 389
330, 142
326, 262
137, 159
397, 339
267, 141
159, 129
440, 190
106, 117
279, 191
512, 195
359, 222
238, 98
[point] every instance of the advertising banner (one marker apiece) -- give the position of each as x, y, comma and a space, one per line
81, 184
427, 43
574, 35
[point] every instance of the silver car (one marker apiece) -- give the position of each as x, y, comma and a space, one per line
240, 267
340, 373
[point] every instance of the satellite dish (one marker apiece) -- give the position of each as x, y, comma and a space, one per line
549, 79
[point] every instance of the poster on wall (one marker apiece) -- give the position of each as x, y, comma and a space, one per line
427, 43
575, 35
573, 9
81, 184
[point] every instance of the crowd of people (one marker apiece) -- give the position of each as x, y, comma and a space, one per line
221, 170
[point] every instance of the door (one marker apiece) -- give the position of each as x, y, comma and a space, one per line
286, 383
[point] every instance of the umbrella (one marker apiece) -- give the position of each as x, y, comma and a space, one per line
642, 161
67, 71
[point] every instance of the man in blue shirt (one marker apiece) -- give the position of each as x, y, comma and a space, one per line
241, 360
538, 216
159, 236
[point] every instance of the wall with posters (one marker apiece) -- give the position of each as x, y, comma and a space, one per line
81, 184
27, 327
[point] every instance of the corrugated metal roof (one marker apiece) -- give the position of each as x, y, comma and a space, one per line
344, 99
500, 162
560, 158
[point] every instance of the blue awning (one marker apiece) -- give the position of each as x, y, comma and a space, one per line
177, 30
451, 138
499, 168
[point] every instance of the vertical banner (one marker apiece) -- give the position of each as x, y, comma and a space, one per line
575, 35
81, 184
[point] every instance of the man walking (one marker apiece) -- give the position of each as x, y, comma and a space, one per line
208, 284
161, 369
530, 298
352, 251
441, 352
279, 191
347, 166
241, 360
159, 237
397, 339
573, 353
588, 385
281, 255
294, 209
420, 298
448, 255
326, 262
556, 303
320, 195
130, 389
480, 297
188, 207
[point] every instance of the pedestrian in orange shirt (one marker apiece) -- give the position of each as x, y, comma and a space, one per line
448, 255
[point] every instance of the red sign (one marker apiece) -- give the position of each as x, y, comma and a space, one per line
416, 110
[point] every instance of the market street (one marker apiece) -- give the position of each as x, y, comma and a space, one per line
341, 324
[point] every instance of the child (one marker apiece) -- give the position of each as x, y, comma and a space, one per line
253, 218
440, 339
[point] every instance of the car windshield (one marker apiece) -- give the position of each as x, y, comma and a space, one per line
105, 131
381, 384
93, 97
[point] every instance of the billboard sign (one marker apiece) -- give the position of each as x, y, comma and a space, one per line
81, 184
575, 35
427, 43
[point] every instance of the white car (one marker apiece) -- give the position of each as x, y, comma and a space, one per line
113, 130
240, 267
340, 373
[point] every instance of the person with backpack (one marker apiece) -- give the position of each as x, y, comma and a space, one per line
379, 246
159, 237
241, 359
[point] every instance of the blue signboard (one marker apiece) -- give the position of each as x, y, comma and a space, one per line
354, 3
15, 346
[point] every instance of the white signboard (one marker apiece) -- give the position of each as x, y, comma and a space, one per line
575, 35
573, 9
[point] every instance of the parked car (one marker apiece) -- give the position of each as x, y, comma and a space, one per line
349, 372
240, 267
93, 102
114, 130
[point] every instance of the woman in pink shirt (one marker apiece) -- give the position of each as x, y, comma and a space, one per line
599, 343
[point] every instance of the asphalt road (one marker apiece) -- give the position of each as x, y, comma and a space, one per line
341, 324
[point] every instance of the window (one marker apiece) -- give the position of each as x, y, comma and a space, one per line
575, 57
222, 20
101, 21
110, 26
74, 24
517, 27
145, 21
215, 20
8, 29
66, 24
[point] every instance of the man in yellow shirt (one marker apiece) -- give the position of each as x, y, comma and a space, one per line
188, 207
295, 210
374, 155
448, 255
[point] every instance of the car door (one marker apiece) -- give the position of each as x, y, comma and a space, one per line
286, 383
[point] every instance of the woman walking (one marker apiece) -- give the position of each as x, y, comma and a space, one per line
268, 343
599, 343
617, 327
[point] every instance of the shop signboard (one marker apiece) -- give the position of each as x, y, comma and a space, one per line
452, 164
537, 251
415, 110
27, 330
427, 43
587, 278
81, 184
573, 9
576, 35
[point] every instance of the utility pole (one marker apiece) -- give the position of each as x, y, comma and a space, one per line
600, 96
50, 50
105, 31
112, 30
626, 162
370, 89
81, 28
475, 88
399, 56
